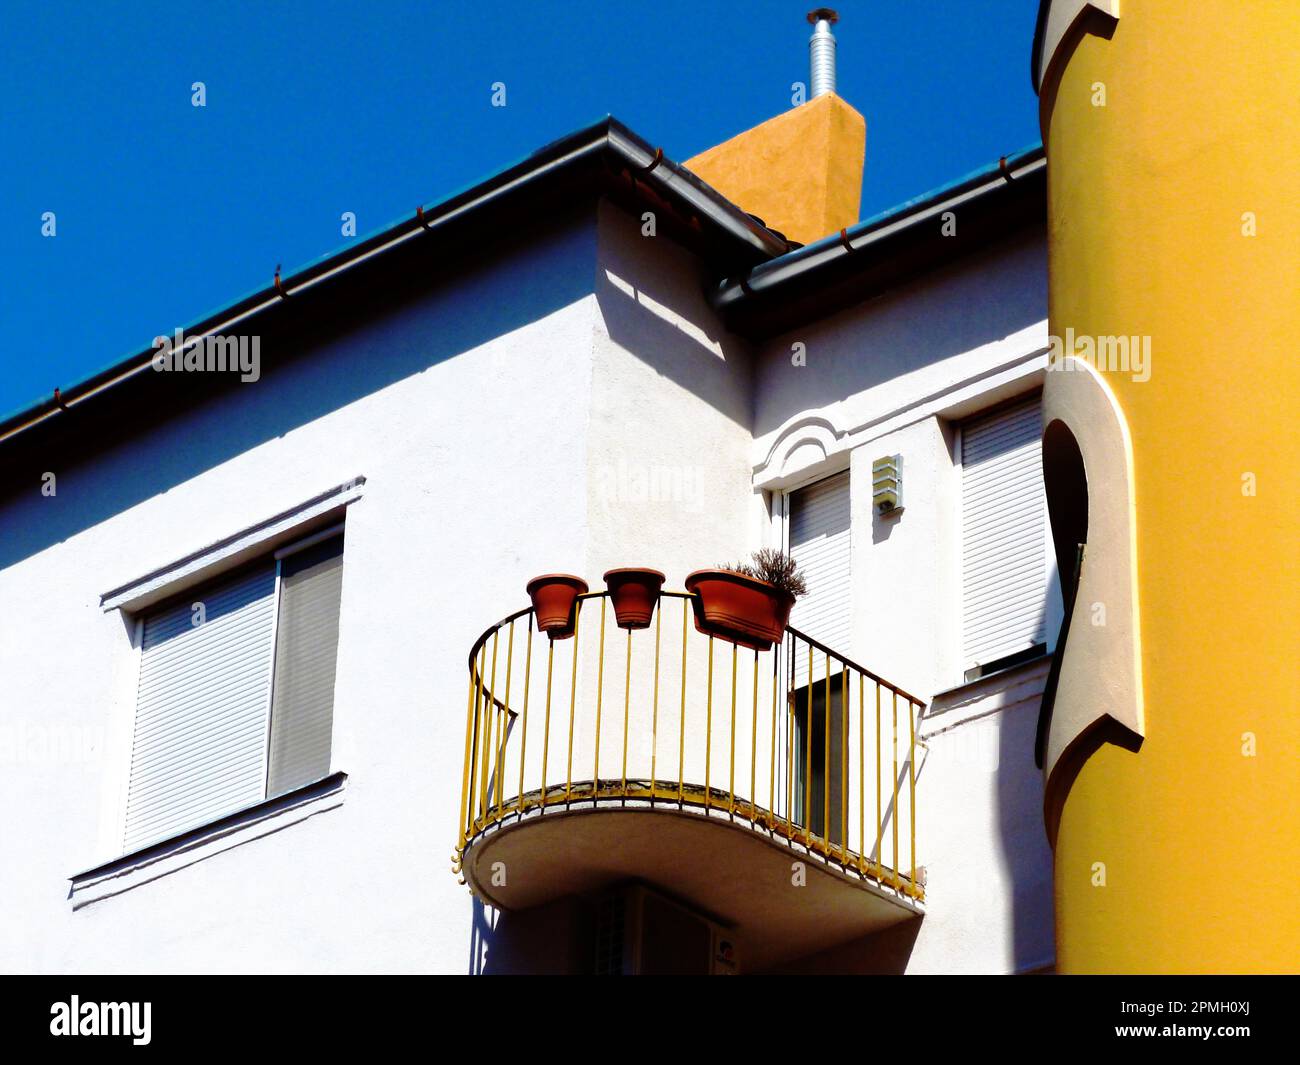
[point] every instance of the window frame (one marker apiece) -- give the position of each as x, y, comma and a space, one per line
972, 672
792, 739
316, 533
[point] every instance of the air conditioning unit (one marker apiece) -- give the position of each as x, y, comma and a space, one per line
641, 933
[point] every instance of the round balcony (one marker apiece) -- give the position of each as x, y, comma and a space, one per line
773, 791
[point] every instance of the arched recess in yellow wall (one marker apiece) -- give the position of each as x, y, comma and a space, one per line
1088, 479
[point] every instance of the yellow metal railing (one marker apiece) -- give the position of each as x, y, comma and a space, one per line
784, 740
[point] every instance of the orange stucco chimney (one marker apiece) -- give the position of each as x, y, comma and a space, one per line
801, 172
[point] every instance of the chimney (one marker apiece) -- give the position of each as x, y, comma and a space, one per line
801, 172
821, 52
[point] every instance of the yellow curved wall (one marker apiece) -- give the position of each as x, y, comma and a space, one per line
1146, 203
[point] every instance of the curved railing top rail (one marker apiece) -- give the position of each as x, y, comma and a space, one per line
668, 594
792, 748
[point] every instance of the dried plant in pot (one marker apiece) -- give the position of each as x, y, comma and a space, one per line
555, 603
747, 603
635, 593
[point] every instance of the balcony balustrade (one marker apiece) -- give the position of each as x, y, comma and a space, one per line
809, 755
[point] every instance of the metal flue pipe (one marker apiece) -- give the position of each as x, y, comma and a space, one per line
821, 51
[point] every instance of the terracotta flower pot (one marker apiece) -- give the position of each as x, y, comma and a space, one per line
741, 609
555, 602
635, 593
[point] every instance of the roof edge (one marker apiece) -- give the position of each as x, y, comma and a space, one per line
631, 161
1012, 188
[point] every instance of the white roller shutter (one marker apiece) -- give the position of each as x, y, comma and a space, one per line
1004, 586
819, 542
200, 744
306, 652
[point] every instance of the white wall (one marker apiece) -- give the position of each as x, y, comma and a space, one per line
893, 376
573, 407
467, 414
671, 409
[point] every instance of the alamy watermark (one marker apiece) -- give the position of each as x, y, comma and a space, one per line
633, 483
130, 1019
1117, 354
209, 354
23, 744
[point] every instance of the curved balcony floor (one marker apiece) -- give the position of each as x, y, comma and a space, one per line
742, 874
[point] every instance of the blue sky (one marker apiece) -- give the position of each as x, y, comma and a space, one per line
166, 211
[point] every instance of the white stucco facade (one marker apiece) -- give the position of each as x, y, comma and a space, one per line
571, 406
896, 376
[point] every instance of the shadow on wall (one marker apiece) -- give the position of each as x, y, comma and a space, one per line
1023, 839
323, 355
880, 954
653, 306
1027, 861
557, 939
979, 301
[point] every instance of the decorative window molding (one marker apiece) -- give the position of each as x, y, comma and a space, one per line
187, 848
814, 444
802, 450
228, 553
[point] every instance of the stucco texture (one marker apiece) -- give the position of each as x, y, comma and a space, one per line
801, 172
1173, 214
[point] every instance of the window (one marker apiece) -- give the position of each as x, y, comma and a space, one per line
1004, 559
825, 763
236, 691
819, 540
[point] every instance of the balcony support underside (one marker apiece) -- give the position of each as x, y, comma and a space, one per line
779, 899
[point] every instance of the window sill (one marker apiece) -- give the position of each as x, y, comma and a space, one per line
1004, 690
179, 852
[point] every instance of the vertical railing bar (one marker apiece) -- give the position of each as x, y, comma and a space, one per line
627, 702
894, 809
791, 753
862, 768
826, 756
499, 770
494, 774
880, 824
487, 729
546, 727
600, 690
844, 760
523, 730
681, 725
753, 749
791, 750
481, 716
911, 786
771, 783
494, 783
470, 702
731, 779
708, 730
806, 791
510, 659
654, 718
478, 746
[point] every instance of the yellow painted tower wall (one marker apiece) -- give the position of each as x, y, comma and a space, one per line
1151, 201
